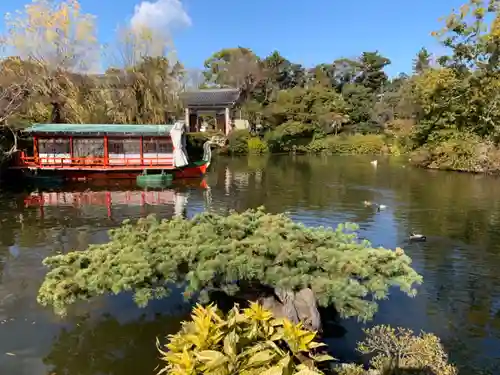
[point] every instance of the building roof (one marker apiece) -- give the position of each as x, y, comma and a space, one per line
210, 97
99, 129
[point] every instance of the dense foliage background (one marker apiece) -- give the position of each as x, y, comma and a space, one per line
446, 111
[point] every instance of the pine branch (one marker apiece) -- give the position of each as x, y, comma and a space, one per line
225, 252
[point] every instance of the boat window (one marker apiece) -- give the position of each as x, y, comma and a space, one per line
88, 147
157, 146
53, 146
132, 146
115, 146
165, 146
124, 146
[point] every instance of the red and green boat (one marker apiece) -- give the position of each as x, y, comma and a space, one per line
81, 152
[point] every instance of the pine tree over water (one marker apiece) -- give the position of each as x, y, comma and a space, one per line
211, 252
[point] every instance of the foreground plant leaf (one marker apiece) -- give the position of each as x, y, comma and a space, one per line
240, 350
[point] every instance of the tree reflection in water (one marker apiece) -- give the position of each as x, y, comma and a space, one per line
110, 347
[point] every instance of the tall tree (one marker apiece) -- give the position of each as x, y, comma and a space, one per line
62, 41
344, 72
372, 75
463, 94
422, 61
193, 79
149, 73
473, 35
234, 67
323, 75
15, 85
133, 44
278, 73
283, 72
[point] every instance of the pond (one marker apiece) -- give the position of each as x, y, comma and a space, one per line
459, 214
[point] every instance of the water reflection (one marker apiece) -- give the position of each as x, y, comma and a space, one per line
459, 213
116, 345
113, 348
106, 203
37, 224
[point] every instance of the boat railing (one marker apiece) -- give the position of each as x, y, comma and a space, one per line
62, 162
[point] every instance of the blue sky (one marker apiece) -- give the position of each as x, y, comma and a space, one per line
308, 32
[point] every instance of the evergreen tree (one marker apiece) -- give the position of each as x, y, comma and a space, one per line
212, 252
422, 61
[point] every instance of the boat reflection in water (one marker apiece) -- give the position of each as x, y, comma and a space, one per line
114, 202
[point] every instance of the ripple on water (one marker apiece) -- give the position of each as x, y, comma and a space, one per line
459, 300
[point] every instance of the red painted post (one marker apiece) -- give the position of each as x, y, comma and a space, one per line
106, 151
35, 149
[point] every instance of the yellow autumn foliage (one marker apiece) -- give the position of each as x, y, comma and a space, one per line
245, 342
252, 342
56, 34
133, 44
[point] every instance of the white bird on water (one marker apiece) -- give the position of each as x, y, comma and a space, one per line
416, 237
374, 163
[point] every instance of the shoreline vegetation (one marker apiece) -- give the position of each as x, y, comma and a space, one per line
459, 153
467, 153
445, 114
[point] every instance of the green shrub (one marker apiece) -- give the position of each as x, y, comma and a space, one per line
248, 342
318, 145
458, 152
399, 352
210, 252
290, 136
399, 349
257, 146
294, 136
401, 136
351, 369
399, 145
238, 142
353, 144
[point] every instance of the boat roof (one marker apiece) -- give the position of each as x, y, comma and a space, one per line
100, 129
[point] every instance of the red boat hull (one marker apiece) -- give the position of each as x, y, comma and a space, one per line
190, 171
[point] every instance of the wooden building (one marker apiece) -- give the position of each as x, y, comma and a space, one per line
217, 103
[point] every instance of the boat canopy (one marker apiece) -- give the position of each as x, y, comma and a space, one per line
100, 129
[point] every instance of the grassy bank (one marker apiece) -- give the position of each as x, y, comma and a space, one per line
459, 152
242, 143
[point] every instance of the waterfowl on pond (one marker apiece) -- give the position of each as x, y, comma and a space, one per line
368, 203
417, 237
381, 207
374, 163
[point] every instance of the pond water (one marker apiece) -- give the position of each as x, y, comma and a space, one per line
460, 262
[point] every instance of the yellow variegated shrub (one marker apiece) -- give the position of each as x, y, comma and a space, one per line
245, 342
